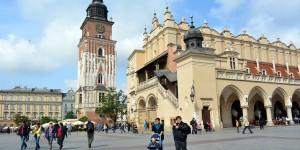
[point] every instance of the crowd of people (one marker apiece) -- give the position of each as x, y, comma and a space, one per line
57, 132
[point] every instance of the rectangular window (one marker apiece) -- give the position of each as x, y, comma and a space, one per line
12, 116
72, 106
264, 72
292, 75
35, 99
20, 98
66, 111
101, 97
42, 107
50, 99
80, 98
28, 107
66, 106
56, 99
50, 115
12, 98
34, 107
42, 98
20, 107
12, 107
278, 73
50, 107
56, 107
247, 71
232, 63
6, 107
28, 99
5, 116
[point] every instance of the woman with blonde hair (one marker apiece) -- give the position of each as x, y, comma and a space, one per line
37, 135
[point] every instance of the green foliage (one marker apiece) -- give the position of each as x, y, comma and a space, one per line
114, 103
83, 119
18, 119
45, 119
70, 115
53, 120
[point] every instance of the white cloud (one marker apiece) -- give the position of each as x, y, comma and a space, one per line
71, 84
274, 19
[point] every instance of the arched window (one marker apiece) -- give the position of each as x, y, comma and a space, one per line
100, 52
100, 79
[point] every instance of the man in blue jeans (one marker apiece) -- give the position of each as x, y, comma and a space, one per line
24, 133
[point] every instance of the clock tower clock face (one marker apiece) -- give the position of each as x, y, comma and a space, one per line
100, 28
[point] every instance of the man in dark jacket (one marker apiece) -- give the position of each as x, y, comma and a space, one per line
90, 132
180, 132
24, 133
159, 129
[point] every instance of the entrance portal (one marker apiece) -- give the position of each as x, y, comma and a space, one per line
236, 112
259, 111
279, 110
205, 115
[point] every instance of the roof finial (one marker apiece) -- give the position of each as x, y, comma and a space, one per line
192, 22
278, 39
205, 23
244, 31
226, 28
154, 13
145, 29
111, 19
167, 7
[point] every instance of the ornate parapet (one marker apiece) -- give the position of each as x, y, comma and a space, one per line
242, 76
147, 84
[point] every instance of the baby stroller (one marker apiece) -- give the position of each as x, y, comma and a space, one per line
155, 142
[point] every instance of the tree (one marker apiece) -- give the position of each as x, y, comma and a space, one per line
70, 115
113, 105
83, 119
45, 119
18, 119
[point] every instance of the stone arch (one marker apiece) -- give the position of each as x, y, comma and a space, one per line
228, 90
231, 96
141, 104
296, 103
282, 93
258, 99
261, 92
151, 101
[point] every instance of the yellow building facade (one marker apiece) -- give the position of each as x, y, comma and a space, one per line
210, 76
31, 102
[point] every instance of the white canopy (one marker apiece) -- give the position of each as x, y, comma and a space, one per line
45, 125
91, 121
77, 123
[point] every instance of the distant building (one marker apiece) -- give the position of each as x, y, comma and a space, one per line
31, 102
68, 103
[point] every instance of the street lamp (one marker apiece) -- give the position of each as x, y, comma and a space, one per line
192, 95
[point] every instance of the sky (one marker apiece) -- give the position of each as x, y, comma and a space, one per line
38, 38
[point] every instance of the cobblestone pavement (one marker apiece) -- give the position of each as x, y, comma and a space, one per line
275, 138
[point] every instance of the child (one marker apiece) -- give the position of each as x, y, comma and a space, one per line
153, 144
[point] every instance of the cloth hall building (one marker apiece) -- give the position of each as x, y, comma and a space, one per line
210, 76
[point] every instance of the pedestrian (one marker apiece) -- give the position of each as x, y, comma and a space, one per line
69, 129
61, 134
56, 126
90, 133
128, 127
8, 130
98, 126
23, 132
246, 125
261, 123
180, 132
145, 126
105, 128
37, 135
193, 122
65, 130
122, 128
50, 134
159, 129
237, 124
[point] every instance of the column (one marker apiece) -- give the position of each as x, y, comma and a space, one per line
269, 115
245, 111
146, 73
289, 113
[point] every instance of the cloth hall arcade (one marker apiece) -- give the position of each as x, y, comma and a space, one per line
210, 76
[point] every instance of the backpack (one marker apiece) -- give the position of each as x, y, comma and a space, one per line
188, 131
90, 127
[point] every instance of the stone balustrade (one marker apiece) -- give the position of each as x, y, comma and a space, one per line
238, 75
